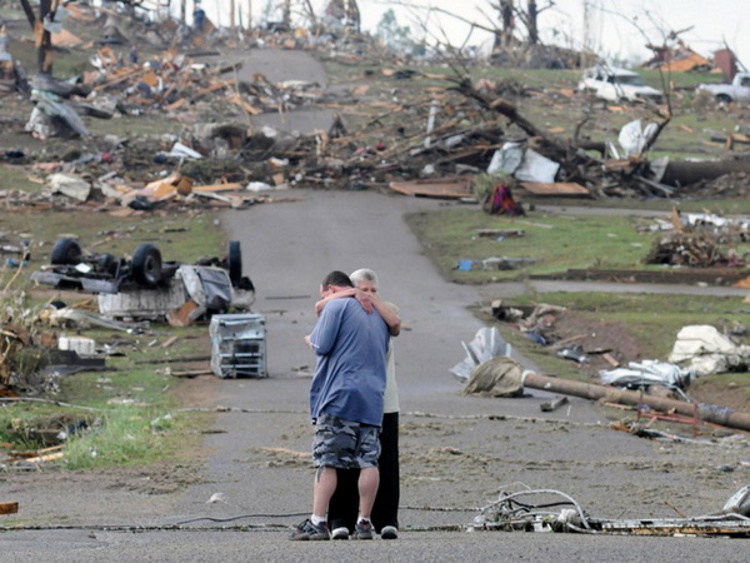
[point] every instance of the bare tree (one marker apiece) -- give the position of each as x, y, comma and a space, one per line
504, 35
42, 36
509, 12
508, 21
530, 19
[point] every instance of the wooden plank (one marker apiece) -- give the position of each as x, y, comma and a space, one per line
167, 343
8, 507
447, 188
554, 404
214, 87
177, 104
496, 233
190, 373
228, 187
237, 99
556, 188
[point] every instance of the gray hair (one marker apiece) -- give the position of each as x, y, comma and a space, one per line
364, 274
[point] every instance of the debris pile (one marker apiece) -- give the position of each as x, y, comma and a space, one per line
452, 127
700, 241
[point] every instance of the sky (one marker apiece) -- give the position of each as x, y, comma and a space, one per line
616, 27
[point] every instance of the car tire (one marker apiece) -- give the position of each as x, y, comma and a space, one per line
234, 262
66, 251
723, 98
146, 265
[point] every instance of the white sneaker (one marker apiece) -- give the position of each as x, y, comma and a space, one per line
389, 533
341, 533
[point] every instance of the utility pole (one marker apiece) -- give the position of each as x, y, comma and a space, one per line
249, 14
183, 12
232, 15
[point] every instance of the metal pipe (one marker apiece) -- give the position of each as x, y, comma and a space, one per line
706, 412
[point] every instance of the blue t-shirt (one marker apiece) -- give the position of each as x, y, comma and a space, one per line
349, 376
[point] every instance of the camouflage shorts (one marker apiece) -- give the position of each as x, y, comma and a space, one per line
345, 444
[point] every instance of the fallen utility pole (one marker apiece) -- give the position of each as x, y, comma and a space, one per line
706, 412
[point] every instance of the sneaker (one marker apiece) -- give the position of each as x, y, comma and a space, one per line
309, 531
389, 532
341, 533
363, 530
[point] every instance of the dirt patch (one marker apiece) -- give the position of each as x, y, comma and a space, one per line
597, 338
717, 392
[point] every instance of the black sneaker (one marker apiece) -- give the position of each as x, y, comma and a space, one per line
309, 531
389, 533
363, 530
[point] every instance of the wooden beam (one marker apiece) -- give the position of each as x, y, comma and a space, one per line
8, 507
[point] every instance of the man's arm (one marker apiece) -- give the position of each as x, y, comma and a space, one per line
389, 312
363, 297
320, 305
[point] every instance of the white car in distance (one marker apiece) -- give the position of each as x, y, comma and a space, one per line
617, 84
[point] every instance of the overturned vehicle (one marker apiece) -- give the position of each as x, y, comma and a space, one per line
146, 287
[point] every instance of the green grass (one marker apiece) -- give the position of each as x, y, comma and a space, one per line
556, 242
123, 435
16, 178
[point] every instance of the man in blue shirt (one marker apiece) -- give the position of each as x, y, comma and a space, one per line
346, 403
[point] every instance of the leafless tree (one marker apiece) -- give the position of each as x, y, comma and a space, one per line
42, 36
530, 19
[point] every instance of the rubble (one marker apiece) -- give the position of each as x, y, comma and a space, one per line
509, 513
448, 131
706, 351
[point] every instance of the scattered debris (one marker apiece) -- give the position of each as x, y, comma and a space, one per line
486, 345
644, 374
510, 514
498, 377
145, 287
706, 351
710, 413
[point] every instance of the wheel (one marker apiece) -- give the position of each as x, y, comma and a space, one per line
146, 264
66, 251
723, 98
234, 260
